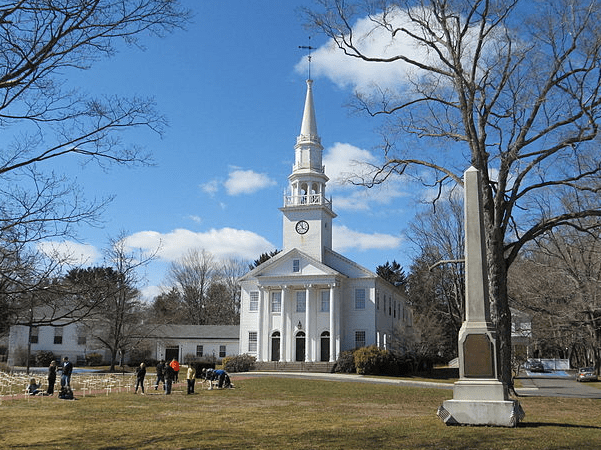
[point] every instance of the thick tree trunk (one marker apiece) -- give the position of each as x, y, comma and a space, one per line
500, 312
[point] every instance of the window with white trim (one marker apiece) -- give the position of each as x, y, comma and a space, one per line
58, 335
199, 351
252, 341
359, 298
296, 265
276, 301
325, 301
222, 351
359, 339
34, 338
254, 301
301, 301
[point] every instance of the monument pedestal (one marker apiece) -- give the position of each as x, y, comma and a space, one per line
480, 402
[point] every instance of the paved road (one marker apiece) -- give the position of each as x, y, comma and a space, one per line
532, 386
548, 386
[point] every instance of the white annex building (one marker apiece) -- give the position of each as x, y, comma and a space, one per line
309, 303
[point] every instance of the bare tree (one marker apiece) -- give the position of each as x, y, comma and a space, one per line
437, 279
192, 276
118, 325
230, 272
44, 121
511, 88
558, 281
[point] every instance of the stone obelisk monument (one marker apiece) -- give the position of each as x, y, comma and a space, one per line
479, 398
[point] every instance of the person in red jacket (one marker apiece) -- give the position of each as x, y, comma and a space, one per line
175, 366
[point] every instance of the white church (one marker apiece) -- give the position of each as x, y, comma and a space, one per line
309, 303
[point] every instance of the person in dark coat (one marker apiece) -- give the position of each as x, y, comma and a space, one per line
160, 374
169, 378
140, 374
67, 369
51, 378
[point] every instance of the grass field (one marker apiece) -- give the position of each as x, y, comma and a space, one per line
285, 413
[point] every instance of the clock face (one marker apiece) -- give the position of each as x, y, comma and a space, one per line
302, 227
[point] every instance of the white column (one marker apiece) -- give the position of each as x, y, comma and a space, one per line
308, 327
338, 318
260, 321
284, 325
333, 327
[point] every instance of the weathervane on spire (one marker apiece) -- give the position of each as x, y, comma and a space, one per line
309, 48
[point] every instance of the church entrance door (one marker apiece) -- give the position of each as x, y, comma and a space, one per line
275, 346
325, 346
300, 346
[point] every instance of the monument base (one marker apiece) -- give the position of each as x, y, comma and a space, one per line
504, 413
481, 402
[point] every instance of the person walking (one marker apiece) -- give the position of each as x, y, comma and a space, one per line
51, 378
140, 374
191, 378
160, 374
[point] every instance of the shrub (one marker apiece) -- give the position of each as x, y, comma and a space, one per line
372, 360
239, 363
94, 359
44, 358
345, 363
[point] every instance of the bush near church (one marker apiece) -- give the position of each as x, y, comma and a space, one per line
239, 363
43, 358
345, 363
374, 361
94, 359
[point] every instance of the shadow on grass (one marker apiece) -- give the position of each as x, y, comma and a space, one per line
442, 373
559, 425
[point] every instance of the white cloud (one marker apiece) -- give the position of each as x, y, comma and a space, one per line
347, 72
346, 239
221, 243
210, 187
246, 182
376, 42
343, 161
69, 252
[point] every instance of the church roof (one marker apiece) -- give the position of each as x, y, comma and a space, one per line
174, 331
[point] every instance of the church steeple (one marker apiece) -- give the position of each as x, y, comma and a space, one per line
309, 125
307, 212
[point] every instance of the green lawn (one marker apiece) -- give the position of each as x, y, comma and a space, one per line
285, 413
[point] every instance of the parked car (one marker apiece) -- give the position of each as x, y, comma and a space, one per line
586, 374
535, 366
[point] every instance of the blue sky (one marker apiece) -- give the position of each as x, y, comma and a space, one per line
232, 86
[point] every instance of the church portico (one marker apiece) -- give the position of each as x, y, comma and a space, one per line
297, 317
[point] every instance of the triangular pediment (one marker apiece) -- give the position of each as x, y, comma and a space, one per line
293, 263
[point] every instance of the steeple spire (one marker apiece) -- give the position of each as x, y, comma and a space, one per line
309, 125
